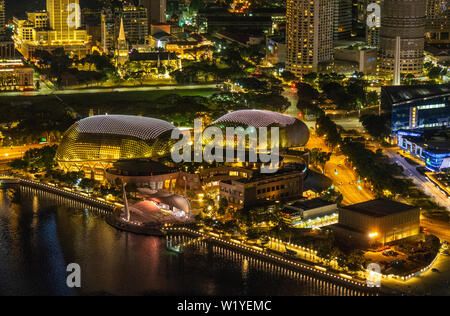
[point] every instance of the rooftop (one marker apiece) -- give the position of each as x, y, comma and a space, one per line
404, 94
311, 204
379, 208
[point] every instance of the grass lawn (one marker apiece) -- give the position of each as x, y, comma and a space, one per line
130, 102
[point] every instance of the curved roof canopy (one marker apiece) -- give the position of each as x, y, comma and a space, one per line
137, 126
293, 132
115, 137
173, 200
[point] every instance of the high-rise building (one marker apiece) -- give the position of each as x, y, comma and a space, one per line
343, 20
157, 10
438, 21
404, 19
59, 13
108, 26
58, 27
373, 30
309, 34
135, 23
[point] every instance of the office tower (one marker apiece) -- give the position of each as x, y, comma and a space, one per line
60, 12
58, 27
309, 34
343, 20
373, 31
157, 10
406, 19
108, 27
437, 21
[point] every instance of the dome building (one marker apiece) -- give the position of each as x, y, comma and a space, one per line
293, 132
93, 144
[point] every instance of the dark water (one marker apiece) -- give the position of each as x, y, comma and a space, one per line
38, 239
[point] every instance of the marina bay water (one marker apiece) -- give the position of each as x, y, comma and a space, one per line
40, 235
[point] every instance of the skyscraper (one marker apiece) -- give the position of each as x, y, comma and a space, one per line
406, 19
60, 12
58, 27
343, 20
309, 34
373, 31
438, 21
156, 9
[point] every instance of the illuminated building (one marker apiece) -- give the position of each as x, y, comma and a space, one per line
58, 27
135, 26
152, 62
293, 132
122, 51
404, 19
310, 26
195, 47
377, 222
438, 21
417, 107
285, 184
95, 143
14, 75
431, 146
309, 213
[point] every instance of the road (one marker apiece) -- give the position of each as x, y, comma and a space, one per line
419, 180
103, 90
11, 153
344, 178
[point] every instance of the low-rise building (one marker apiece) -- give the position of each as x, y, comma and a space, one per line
431, 146
309, 212
363, 59
276, 50
15, 75
377, 222
284, 185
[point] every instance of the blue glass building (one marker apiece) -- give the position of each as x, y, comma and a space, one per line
417, 107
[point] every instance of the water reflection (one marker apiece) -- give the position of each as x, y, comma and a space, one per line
39, 236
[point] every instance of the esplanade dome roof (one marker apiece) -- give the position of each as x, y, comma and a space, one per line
137, 126
295, 133
114, 137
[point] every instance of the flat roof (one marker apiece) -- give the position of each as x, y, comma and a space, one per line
379, 207
402, 94
311, 204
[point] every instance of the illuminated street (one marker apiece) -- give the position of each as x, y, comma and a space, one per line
346, 180
421, 181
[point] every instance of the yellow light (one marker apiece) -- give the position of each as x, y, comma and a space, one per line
320, 268
345, 276
372, 235
209, 208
